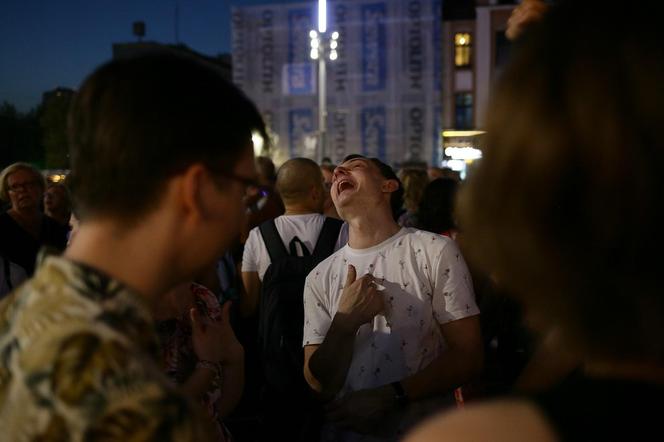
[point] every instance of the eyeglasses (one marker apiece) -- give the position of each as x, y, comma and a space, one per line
28, 185
248, 183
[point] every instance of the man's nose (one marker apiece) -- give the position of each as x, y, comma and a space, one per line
339, 170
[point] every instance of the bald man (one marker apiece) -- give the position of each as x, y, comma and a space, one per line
301, 186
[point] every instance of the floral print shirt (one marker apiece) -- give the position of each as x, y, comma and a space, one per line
79, 361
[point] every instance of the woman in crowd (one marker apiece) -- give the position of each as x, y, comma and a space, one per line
414, 181
435, 212
57, 203
24, 229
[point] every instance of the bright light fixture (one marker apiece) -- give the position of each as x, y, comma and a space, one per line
314, 54
313, 34
335, 35
462, 133
463, 153
322, 16
456, 165
333, 44
333, 55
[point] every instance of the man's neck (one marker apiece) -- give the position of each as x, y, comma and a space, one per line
139, 258
370, 228
299, 209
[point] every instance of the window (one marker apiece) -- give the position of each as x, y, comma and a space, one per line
462, 49
463, 110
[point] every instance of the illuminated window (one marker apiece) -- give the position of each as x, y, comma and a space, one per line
462, 49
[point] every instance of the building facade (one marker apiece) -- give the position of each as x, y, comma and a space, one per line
474, 50
384, 88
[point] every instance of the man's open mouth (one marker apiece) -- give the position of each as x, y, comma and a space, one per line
344, 185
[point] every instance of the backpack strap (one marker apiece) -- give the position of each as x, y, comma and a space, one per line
275, 246
328, 237
293, 247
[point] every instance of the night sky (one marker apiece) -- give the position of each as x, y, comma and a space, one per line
49, 43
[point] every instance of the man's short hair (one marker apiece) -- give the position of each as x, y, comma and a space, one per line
137, 122
296, 177
396, 199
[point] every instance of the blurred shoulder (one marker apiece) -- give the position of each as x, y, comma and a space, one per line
504, 420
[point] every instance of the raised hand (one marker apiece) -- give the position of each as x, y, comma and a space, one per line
215, 341
529, 11
360, 301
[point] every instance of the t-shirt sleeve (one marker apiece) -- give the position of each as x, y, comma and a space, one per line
250, 254
453, 296
317, 317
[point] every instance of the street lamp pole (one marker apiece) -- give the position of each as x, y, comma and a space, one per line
322, 109
321, 48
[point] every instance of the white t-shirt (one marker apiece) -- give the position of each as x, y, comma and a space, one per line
306, 227
426, 283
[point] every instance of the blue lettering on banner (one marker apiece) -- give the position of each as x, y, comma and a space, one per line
300, 79
300, 123
374, 47
341, 65
374, 131
437, 51
266, 50
415, 45
300, 69
239, 50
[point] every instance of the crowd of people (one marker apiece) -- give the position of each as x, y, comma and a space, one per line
208, 295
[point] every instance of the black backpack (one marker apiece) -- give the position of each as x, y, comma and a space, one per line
281, 309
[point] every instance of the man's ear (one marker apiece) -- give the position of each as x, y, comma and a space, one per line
390, 186
192, 184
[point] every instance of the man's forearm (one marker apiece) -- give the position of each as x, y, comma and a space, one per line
330, 362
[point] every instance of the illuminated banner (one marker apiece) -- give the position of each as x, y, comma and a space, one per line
374, 47
374, 132
300, 124
383, 90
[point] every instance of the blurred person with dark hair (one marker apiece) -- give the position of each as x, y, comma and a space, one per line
414, 182
24, 228
391, 326
436, 210
57, 203
580, 222
161, 157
